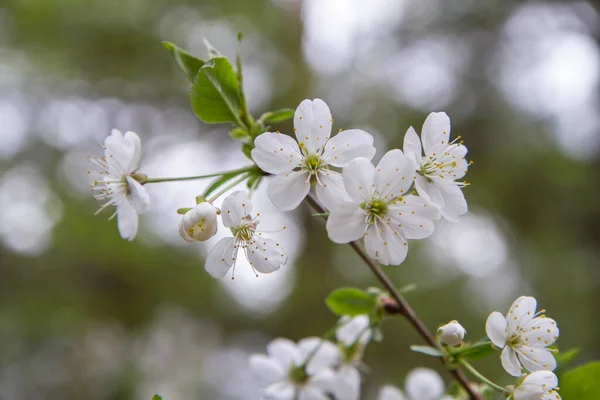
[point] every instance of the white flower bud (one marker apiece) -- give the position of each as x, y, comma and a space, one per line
199, 223
452, 333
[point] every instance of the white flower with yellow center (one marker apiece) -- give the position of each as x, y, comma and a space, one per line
119, 184
199, 223
265, 255
297, 165
300, 371
523, 335
380, 210
441, 165
538, 385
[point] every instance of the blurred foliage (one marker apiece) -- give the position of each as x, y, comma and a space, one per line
543, 199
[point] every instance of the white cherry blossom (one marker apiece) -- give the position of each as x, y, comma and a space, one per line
199, 223
297, 165
380, 208
420, 384
300, 371
539, 385
441, 165
119, 183
523, 335
353, 334
264, 255
452, 333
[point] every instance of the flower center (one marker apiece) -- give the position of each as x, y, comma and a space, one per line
198, 227
244, 232
374, 208
298, 375
312, 162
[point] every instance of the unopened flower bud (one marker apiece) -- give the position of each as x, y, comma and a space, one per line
452, 333
199, 223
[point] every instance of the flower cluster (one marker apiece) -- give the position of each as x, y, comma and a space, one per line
315, 368
387, 204
374, 202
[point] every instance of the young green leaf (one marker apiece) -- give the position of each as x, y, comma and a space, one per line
220, 181
350, 301
188, 63
273, 117
581, 382
564, 358
428, 350
239, 134
474, 351
215, 94
156, 397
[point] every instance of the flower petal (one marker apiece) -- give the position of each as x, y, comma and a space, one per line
521, 312
536, 359
136, 155
118, 153
312, 122
280, 391
327, 354
288, 189
510, 362
386, 244
127, 220
235, 208
414, 216
453, 162
540, 332
266, 369
311, 393
348, 332
435, 133
276, 153
359, 177
220, 258
347, 383
138, 195
389, 392
346, 223
265, 255
424, 384
285, 352
330, 189
412, 146
542, 379
348, 145
454, 199
495, 328
394, 175
428, 191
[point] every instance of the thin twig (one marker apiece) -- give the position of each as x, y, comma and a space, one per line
404, 308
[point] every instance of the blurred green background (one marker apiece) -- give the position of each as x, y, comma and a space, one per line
86, 315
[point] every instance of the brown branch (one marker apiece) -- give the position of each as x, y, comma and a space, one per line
404, 308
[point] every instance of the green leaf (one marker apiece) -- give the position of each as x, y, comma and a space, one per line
188, 63
475, 351
581, 383
273, 117
156, 397
564, 358
350, 301
220, 181
215, 94
428, 350
183, 211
